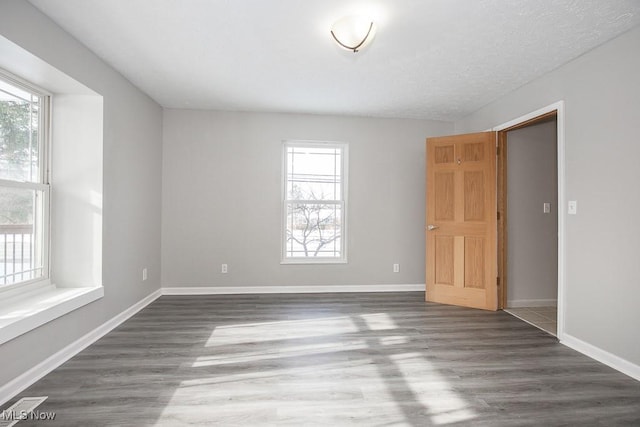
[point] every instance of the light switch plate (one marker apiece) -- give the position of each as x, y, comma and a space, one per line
573, 207
546, 207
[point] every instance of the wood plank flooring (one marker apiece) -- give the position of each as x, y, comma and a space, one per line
384, 359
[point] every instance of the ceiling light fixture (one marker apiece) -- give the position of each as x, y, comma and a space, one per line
353, 32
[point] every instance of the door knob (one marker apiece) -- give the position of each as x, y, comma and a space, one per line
432, 227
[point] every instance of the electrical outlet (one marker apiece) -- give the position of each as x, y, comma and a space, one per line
396, 268
224, 269
144, 274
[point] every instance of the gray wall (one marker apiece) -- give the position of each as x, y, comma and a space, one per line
532, 247
222, 198
132, 181
601, 90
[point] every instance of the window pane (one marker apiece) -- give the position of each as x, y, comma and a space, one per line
20, 235
19, 147
313, 230
313, 173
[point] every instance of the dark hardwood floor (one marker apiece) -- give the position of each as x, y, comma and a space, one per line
384, 359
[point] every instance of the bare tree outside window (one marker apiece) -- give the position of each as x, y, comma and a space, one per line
316, 226
314, 205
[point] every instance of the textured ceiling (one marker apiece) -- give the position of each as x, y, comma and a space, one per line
431, 59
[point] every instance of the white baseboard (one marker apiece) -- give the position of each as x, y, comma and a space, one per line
602, 356
227, 290
19, 384
517, 303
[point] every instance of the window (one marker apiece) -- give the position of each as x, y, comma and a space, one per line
36, 288
24, 189
314, 202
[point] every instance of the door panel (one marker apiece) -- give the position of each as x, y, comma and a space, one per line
445, 191
461, 217
444, 154
474, 196
474, 262
444, 254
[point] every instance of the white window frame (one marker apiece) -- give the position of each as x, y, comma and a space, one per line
43, 184
344, 167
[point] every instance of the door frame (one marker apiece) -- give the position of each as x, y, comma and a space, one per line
502, 129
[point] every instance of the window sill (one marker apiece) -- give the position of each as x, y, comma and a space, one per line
24, 313
314, 261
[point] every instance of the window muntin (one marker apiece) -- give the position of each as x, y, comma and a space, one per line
24, 190
314, 228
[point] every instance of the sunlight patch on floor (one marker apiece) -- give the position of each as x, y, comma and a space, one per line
379, 321
433, 390
315, 362
394, 340
295, 351
324, 371
283, 330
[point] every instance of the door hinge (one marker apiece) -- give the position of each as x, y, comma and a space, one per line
497, 151
498, 281
498, 215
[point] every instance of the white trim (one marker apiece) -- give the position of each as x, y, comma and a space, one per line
23, 84
517, 303
602, 356
22, 382
562, 215
532, 115
33, 309
314, 260
229, 290
17, 289
24, 185
562, 202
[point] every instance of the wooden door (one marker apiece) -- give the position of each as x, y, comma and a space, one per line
461, 220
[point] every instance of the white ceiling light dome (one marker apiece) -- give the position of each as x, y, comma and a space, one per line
353, 32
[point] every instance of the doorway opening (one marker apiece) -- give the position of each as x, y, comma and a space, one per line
530, 218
